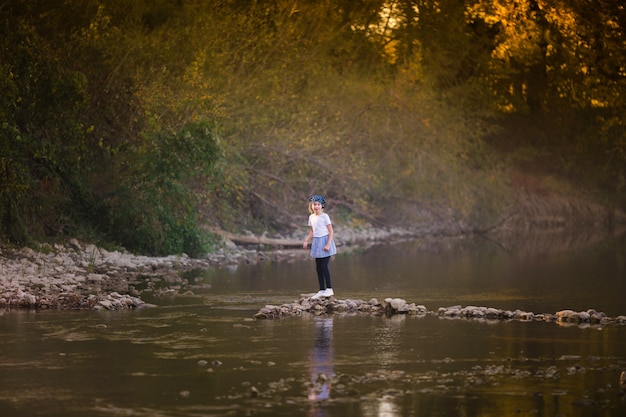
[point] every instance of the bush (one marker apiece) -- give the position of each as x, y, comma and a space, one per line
153, 210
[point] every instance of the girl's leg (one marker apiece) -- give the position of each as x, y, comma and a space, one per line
325, 272
320, 272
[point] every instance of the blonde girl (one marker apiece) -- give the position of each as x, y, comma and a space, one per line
322, 245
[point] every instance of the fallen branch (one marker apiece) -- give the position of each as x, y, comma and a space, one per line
259, 240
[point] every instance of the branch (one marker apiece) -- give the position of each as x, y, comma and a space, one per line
259, 240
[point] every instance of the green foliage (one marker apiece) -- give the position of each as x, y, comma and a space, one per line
110, 111
153, 210
42, 136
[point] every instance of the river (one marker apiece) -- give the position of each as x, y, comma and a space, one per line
204, 354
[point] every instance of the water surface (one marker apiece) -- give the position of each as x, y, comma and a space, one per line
204, 355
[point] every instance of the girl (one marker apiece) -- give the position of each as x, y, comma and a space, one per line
322, 246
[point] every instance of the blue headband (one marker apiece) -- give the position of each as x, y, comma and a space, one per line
318, 198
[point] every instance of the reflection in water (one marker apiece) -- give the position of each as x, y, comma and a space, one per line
385, 406
387, 350
387, 347
321, 364
388, 408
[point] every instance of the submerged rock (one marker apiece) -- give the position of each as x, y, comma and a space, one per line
332, 305
395, 306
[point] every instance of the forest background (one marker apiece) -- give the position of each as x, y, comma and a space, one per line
148, 123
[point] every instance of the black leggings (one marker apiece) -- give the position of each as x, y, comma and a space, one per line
323, 273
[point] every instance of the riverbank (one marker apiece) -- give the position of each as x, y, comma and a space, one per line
82, 276
79, 275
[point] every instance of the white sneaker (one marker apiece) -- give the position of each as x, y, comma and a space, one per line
319, 294
328, 292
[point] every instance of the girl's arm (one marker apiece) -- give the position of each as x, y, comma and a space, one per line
330, 237
307, 238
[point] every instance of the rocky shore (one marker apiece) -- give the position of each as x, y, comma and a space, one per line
79, 275
82, 276
393, 306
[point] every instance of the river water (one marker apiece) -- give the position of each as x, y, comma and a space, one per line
204, 355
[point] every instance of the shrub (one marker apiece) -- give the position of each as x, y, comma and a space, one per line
153, 210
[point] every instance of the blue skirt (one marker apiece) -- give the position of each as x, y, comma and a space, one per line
317, 247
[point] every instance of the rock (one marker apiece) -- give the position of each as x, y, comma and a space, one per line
421, 309
452, 311
568, 316
493, 313
398, 306
397, 303
583, 316
595, 317
526, 316
341, 308
229, 244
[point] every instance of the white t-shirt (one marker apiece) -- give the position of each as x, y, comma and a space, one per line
319, 224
